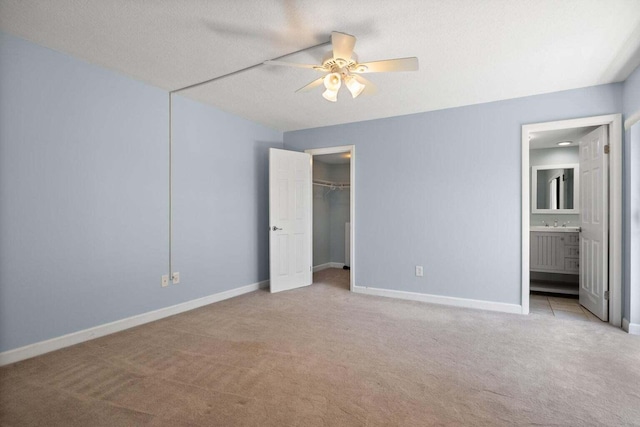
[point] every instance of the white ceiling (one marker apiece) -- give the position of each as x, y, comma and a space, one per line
550, 138
333, 159
470, 51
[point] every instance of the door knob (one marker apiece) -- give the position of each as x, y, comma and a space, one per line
274, 228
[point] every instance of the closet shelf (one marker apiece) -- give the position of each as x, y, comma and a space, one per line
331, 184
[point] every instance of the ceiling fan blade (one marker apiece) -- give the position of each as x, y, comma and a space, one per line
293, 64
370, 88
400, 64
311, 85
343, 45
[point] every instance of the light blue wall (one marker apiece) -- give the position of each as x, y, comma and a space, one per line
220, 199
424, 191
84, 189
631, 105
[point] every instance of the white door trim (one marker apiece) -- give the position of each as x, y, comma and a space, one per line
614, 122
351, 149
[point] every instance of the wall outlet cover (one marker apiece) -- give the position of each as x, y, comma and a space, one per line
165, 281
419, 271
176, 278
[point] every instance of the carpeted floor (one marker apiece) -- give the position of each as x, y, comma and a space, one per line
322, 356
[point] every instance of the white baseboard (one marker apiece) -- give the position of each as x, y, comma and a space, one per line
42, 347
442, 300
632, 328
321, 267
328, 265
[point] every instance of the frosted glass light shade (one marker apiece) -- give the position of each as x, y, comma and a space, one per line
354, 86
332, 81
330, 95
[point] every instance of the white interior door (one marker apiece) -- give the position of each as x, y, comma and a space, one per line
290, 219
594, 223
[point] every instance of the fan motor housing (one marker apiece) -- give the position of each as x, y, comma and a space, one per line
335, 65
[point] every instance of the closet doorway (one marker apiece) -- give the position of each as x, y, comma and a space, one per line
572, 223
333, 176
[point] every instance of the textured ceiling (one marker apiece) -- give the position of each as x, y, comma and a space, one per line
470, 51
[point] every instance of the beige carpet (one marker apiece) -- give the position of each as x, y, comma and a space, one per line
322, 356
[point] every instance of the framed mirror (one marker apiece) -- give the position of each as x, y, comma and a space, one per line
555, 189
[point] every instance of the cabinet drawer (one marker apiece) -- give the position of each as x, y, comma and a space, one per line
572, 251
572, 265
572, 239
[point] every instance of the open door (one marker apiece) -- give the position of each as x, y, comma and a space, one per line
594, 222
290, 220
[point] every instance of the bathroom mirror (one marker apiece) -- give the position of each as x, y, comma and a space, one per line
554, 189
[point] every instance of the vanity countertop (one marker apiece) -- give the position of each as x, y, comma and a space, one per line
552, 229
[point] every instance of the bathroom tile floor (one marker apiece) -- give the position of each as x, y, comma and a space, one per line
561, 307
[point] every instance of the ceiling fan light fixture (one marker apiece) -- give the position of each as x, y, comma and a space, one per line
332, 82
354, 86
330, 95
340, 62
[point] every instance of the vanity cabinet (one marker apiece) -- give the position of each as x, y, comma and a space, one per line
555, 252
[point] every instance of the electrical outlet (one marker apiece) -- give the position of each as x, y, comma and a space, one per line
419, 271
165, 281
176, 278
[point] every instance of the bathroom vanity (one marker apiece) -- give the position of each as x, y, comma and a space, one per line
554, 262
555, 250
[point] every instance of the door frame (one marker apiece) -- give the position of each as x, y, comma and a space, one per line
352, 200
614, 123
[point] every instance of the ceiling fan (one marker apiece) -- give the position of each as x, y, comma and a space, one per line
342, 66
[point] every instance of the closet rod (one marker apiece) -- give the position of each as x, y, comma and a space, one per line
335, 185
324, 181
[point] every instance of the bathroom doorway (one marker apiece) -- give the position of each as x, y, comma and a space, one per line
333, 209
571, 213
555, 210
